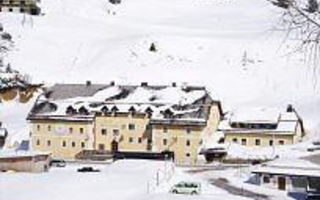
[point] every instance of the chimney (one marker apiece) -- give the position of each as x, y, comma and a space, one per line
290, 108
88, 83
174, 84
112, 83
144, 84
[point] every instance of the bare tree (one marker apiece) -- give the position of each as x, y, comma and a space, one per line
301, 21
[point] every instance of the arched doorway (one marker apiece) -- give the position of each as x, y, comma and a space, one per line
114, 146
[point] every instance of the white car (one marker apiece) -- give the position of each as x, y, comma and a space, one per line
186, 188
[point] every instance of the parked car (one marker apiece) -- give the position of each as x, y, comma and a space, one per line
186, 188
57, 163
88, 169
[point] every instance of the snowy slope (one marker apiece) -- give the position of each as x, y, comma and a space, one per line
229, 46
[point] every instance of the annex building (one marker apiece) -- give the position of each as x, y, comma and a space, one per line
262, 127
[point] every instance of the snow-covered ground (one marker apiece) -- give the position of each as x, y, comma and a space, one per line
120, 180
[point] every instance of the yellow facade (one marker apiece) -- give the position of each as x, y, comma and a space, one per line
128, 130
264, 139
64, 139
184, 141
259, 139
213, 120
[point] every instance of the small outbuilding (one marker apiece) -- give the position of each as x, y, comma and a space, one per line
19, 161
288, 178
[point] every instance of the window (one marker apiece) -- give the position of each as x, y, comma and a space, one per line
281, 142
165, 141
64, 143
314, 184
188, 130
188, 142
235, 140
188, 154
38, 142
81, 130
10, 9
73, 144
131, 127
139, 140
83, 145
123, 126
103, 131
49, 128
38, 127
266, 179
299, 182
270, 142
165, 129
48, 143
244, 142
70, 130
23, 2
22, 10
130, 139
258, 142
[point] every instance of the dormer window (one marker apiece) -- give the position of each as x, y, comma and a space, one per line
104, 110
149, 111
168, 113
132, 110
114, 109
71, 111
83, 111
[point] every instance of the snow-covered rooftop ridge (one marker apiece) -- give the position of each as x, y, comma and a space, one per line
143, 93
251, 115
261, 115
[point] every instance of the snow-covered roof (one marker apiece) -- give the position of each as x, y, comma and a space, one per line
288, 116
287, 126
289, 171
181, 103
255, 115
260, 121
18, 154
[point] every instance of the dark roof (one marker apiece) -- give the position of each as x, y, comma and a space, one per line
65, 91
